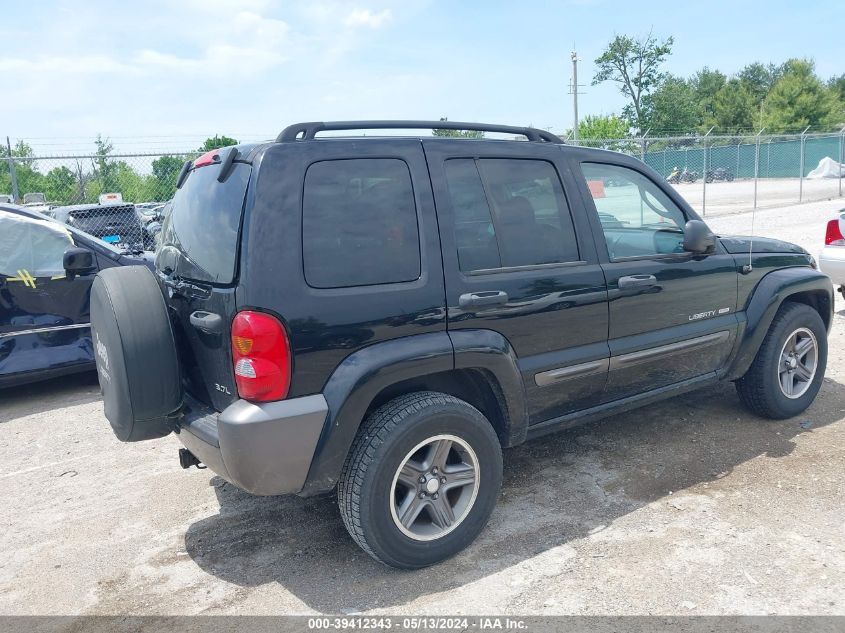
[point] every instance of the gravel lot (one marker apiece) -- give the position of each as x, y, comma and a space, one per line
738, 196
691, 506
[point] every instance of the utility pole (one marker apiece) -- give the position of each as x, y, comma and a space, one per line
704, 175
574, 91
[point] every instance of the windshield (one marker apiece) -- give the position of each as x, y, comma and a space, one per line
199, 237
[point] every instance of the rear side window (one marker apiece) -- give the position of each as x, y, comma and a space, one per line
359, 223
200, 235
509, 212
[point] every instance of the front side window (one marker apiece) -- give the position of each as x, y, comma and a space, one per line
31, 247
509, 212
637, 217
359, 223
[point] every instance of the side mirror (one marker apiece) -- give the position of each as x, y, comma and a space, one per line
78, 261
698, 238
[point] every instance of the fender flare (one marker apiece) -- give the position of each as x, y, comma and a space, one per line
491, 352
767, 297
358, 380
354, 384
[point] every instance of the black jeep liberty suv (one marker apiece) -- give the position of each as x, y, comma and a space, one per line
383, 315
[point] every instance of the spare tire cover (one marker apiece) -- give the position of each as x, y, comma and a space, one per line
135, 353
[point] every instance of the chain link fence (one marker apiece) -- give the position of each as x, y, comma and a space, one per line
724, 174
120, 196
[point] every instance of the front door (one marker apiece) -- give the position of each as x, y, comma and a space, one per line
518, 262
672, 313
44, 321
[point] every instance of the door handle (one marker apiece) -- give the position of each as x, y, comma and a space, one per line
637, 281
481, 299
207, 321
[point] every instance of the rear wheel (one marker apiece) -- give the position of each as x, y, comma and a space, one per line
787, 373
421, 479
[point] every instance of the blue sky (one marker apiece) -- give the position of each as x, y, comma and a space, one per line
157, 74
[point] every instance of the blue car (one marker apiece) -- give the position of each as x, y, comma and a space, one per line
46, 271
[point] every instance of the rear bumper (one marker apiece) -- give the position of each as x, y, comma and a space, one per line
264, 449
832, 263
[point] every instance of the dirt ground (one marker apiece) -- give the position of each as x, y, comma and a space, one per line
691, 506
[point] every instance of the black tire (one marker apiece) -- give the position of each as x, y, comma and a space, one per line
135, 353
367, 485
760, 389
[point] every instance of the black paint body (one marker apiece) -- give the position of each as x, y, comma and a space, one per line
702, 320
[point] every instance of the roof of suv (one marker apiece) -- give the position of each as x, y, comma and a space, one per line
307, 131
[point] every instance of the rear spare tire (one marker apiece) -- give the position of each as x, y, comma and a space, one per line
135, 352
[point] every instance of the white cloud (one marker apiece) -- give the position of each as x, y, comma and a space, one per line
366, 18
258, 45
208, 51
87, 64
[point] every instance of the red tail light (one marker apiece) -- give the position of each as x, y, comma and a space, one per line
209, 158
833, 236
261, 354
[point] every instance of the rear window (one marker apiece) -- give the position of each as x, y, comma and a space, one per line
104, 213
200, 235
359, 223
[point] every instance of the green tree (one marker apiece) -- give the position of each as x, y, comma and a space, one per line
60, 185
605, 132
29, 179
216, 142
635, 66
759, 78
706, 83
130, 184
733, 107
457, 133
22, 151
105, 170
602, 127
674, 109
165, 172
837, 85
799, 99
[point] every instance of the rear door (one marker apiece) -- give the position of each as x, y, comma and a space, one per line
518, 261
44, 321
197, 263
672, 313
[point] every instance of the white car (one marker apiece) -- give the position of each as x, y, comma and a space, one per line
832, 257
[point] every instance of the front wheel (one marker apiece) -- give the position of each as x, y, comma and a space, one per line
787, 372
421, 479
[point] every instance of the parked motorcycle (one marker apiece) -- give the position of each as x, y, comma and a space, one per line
678, 176
720, 173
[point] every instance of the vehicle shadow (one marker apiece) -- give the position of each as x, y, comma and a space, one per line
556, 489
47, 395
